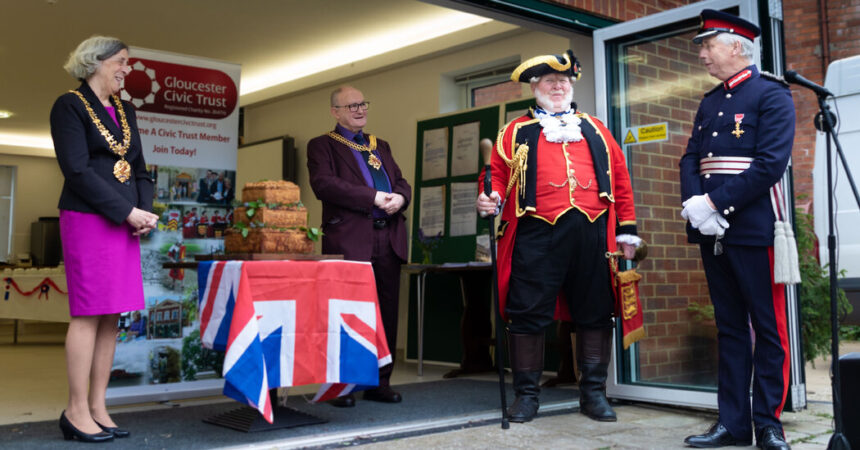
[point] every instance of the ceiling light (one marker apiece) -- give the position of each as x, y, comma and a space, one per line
26, 140
5, 114
358, 49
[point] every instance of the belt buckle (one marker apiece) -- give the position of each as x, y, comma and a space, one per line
379, 223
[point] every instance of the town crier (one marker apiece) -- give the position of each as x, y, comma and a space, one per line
567, 201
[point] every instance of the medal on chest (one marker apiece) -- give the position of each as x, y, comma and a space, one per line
738, 132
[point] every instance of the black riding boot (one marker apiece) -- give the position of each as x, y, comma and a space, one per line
526, 352
592, 353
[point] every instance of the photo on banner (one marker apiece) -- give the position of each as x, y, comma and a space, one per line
188, 116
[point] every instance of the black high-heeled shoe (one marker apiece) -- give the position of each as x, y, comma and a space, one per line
70, 432
115, 431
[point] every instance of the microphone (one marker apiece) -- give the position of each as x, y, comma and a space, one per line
794, 77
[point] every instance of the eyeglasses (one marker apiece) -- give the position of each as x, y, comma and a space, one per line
355, 106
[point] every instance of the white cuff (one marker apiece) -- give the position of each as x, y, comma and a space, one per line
631, 239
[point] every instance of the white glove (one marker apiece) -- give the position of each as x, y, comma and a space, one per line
715, 225
697, 210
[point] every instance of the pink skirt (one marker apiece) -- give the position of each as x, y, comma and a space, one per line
102, 264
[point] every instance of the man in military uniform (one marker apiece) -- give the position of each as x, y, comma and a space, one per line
739, 149
567, 201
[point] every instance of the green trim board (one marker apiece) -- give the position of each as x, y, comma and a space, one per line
517, 105
443, 297
458, 248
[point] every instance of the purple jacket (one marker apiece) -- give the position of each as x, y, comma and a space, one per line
347, 219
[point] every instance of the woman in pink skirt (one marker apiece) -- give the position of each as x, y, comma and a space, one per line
104, 207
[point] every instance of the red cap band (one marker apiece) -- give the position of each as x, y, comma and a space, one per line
717, 23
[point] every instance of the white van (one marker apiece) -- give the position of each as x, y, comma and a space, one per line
843, 80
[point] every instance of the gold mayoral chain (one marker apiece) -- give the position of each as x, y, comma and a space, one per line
372, 159
122, 169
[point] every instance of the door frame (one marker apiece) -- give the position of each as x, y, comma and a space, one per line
602, 40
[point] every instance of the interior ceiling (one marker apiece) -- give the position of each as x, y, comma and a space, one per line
264, 36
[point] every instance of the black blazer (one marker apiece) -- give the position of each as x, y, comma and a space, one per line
87, 161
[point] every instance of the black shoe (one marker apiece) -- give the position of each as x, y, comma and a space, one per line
524, 409
115, 431
594, 404
70, 432
344, 401
383, 394
772, 439
717, 436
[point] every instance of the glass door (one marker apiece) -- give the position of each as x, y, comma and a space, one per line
648, 85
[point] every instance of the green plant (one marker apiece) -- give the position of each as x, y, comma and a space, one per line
814, 293
312, 233
701, 312
849, 333
427, 244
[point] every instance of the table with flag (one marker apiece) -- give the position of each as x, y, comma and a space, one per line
292, 323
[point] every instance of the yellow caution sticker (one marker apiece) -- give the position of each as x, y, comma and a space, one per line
629, 139
654, 132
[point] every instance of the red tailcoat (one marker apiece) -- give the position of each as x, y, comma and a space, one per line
617, 194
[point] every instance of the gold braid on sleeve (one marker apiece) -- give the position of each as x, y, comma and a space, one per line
518, 164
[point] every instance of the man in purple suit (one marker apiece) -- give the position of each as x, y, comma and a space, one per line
363, 195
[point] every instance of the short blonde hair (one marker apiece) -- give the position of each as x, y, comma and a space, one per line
85, 60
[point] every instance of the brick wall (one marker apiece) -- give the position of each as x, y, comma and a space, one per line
496, 93
622, 9
804, 31
664, 84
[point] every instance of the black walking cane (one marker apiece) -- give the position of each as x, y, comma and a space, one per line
486, 147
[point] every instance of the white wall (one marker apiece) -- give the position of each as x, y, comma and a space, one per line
400, 97
38, 183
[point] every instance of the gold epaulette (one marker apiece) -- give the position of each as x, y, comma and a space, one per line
518, 163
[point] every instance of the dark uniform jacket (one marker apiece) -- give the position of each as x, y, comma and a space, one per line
87, 161
768, 132
347, 218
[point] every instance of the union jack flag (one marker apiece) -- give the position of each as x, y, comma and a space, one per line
292, 323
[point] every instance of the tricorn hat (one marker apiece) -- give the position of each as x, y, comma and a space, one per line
715, 22
538, 66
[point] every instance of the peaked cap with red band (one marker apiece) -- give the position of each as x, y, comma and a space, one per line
715, 22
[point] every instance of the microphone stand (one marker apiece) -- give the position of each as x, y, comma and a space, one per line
825, 121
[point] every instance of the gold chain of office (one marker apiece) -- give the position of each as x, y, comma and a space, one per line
372, 159
122, 169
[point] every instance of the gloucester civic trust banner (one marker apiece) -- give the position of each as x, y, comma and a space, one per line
187, 109
188, 117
